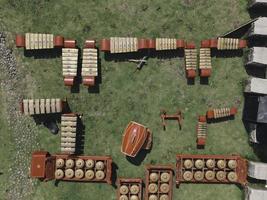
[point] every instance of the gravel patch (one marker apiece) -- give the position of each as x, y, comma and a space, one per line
24, 133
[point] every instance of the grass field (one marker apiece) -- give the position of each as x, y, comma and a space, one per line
126, 95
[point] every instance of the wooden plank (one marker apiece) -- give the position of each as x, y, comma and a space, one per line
69, 54
68, 129
68, 123
90, 61
116, 44
30, 41
69, 62
120, 45
68, 139
47, 106
68, 118
157, 43
124, 45
68, 134
37, 106
91, 65
69, 50
90, 57
42, 106
27, 39
58, 105
68, 150
35, 40
26, 106
71, 70
135, 44
90, 50
219, 44
89, 69
128, 44
51, 41
70, 58
111, 45
44, 46
69, 66
237, 43
40, 41
93, 56
90, 72
69, 74
31, 107
67, 144
53, 105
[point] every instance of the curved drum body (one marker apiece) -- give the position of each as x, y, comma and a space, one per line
135, 137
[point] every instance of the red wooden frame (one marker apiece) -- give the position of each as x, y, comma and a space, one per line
241, 170
159, 169
49, 170
129, 182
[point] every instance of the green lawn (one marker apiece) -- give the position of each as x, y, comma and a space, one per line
125, 95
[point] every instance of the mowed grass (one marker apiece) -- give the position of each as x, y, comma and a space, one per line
127, 95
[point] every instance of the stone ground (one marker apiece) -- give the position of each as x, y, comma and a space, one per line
22, 129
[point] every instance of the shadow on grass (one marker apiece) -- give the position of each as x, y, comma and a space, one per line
218, 120
238, 32
261, 130
80, 137
247, 126
200, 147
256, 181
50, 121
261, 151
255, 71
76, 85
43, 53
190, 81
204, 80
227, 53
167, 54
114, 174
258, 11
257, 41
98, 78
56, 183
139, 158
